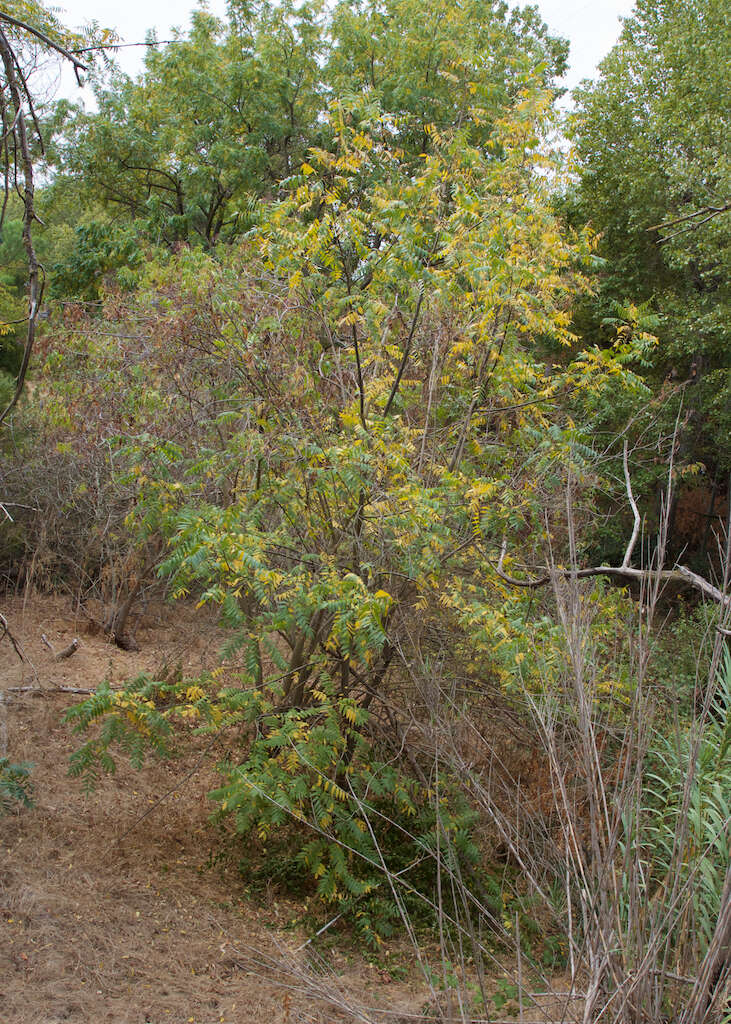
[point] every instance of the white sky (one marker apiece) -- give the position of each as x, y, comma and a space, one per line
592, 26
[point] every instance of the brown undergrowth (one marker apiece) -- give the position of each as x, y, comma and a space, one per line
106, 918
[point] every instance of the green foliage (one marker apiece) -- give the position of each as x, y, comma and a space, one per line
309, 786
40, 16
507, 992
681, 659
13, 270
96, 251
689, 789
15, 785
436, 66
251, 98
129, 719
245, 103
307, 773
655, 180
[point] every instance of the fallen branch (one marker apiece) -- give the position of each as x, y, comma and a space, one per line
44, 691
61, 655
68, 651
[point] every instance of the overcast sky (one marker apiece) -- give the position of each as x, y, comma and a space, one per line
592, 26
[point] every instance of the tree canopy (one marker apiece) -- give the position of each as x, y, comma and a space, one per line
220, 116
652, 142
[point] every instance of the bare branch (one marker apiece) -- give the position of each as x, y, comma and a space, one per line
635, 512
6, 633
703, 212
678, 574
407, 350
17, 23
123, 46
19, 96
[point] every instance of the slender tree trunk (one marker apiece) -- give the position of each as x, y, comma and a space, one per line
35, 288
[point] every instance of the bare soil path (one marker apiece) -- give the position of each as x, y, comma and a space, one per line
95, 930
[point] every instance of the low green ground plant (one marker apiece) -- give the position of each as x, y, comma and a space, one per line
16, 787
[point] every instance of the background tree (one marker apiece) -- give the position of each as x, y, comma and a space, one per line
251, 95
216, 119
433, 65
28, 32
652, 141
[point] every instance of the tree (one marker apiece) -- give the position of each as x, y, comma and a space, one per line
651, 135
251, 97
433, 65
217, 118
27, 31
13, 278
383, 422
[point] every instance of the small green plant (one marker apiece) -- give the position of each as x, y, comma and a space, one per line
15, 785
324, 808
681, 657
554, 952
506, 993
690, 808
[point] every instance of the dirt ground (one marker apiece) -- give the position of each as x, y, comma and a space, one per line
108, 918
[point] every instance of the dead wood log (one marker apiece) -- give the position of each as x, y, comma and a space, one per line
66, 652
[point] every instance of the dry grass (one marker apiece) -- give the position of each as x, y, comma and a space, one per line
142, 930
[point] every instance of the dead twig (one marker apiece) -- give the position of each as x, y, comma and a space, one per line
199, 763
16, 645
50, 689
